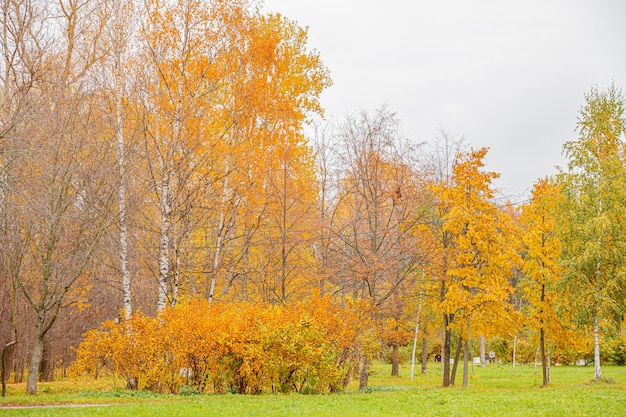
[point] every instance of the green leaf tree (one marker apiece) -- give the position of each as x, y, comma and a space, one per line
592, 216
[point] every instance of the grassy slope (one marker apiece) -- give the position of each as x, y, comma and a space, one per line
494, 391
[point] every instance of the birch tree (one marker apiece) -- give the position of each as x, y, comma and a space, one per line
114, 74
180, 43
259, 232
592, 216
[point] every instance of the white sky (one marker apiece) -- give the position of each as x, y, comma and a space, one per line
510, 75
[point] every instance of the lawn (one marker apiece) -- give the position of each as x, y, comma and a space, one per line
494, 391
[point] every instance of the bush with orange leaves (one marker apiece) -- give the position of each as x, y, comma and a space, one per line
239, 347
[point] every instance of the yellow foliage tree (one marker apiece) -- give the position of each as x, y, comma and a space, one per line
542, 269
478, 253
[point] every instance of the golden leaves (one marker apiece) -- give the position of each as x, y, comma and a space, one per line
241, 347
480, 248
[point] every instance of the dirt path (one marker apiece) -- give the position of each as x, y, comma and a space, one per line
11, 407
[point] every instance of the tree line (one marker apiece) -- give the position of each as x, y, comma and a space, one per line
153, 154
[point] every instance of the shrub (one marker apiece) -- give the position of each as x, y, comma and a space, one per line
614, 351
239, 348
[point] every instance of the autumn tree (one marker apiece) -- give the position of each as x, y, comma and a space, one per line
478, 253
378, 203
58, 199
437, 165
182, 48
286, 181
327, 163
20, 70
591, 217
258, 239
116, 89
542, 269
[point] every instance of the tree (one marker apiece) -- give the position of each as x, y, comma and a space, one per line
438, 168
20, 69
58, 199
228, 91
119, 37
542, 269
478, 254
285, 185
184, 54
327, 170
378, 204
593, 213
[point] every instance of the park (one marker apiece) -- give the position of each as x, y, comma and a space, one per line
184, 230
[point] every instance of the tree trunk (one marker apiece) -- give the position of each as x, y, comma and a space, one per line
482, 351
164, 244
3, 364
395, 361
446, 352
536, 356
413, 358
514, 350
424, 355
417, 330
220, 236
596, 347
549, 377
364, 375
126, 291
35, 361
46, 367
457, 356
544, 362
13, 344
465, 364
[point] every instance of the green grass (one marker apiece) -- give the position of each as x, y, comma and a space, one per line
494, 391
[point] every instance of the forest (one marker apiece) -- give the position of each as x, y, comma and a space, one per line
176, 209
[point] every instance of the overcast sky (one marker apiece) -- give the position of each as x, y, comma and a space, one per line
510, 75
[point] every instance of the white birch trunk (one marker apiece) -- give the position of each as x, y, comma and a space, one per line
596, 347
220, 238
596, 319
126, 284
417, 330
466, 363
164, 244
549, 366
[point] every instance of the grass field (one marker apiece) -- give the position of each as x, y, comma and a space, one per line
494, 391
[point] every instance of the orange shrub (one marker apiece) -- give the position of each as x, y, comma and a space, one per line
136, 349
239, 347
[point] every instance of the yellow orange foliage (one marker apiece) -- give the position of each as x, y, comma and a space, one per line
483, 250
237, 347
542, 262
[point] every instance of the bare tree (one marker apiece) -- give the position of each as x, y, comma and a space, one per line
55, 198
379, 205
